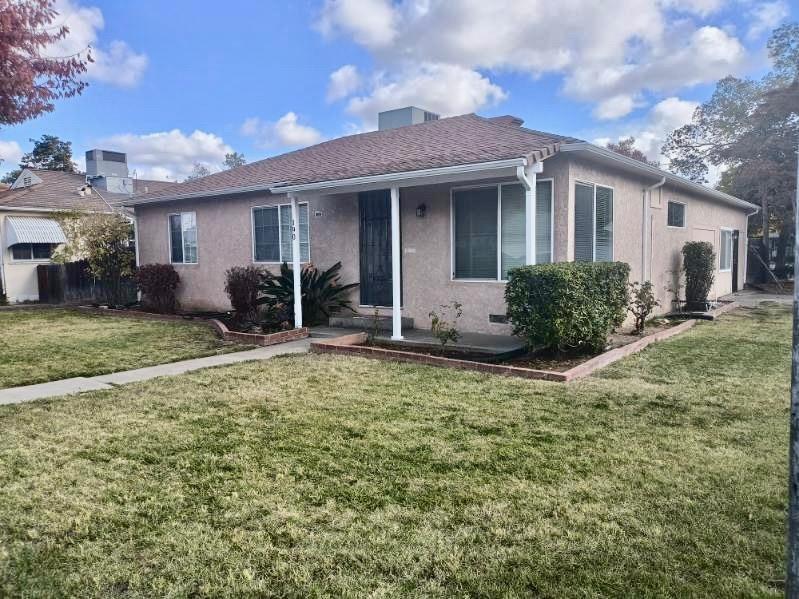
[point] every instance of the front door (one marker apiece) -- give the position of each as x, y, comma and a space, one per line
735, 236
375, 247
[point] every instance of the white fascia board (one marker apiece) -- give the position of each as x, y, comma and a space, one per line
343, 184
404, 177
647, 169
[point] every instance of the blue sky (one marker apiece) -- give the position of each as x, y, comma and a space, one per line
181, 82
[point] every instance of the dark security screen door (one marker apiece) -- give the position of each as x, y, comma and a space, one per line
375, 247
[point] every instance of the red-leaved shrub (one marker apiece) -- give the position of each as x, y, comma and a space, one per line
157, 283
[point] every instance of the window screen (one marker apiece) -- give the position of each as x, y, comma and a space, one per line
583, 223
183, 237
543, 222
513, 245
475, 233
676, 214
604, 224
272, 234
32, 251
593, 223
725, 252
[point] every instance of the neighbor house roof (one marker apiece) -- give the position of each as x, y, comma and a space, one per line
60, 191
465, 139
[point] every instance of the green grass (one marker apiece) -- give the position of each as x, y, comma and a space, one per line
319, 475
46, 345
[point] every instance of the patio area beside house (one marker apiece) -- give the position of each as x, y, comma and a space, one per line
662, 475
42, 344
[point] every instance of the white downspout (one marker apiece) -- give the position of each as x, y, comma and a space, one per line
2, 263
527, 177
645, 227
295, 261
396, 267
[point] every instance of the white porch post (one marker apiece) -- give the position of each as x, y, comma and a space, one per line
529, 210
295, 261
396, 267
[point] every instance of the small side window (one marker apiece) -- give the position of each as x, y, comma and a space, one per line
676, 215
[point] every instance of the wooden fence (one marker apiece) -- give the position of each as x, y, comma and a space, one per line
72, 283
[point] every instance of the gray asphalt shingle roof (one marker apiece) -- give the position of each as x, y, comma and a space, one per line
465, 139
59, 191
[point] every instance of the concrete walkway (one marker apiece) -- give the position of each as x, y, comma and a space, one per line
109, 381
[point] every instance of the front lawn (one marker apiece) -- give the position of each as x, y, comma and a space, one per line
46, 345
319, 475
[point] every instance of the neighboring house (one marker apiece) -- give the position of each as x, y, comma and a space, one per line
453, 203
28, 232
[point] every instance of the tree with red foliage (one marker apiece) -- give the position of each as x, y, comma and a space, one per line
31, 81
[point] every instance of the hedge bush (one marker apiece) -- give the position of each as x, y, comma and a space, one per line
699, 266
157, 283
241, 286
568, 306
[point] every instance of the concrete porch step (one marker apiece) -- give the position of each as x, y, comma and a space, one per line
363, 322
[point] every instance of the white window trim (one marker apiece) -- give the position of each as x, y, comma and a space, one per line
183, 248
279, 232
13, 260
684, 215
498, 186
612, 207
731, 230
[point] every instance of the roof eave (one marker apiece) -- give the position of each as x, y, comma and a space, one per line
341, 184
658, 173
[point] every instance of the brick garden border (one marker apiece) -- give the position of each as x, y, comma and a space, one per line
218, 326
353, 345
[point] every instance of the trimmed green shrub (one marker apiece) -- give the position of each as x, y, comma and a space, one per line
241, 286
568, 306
157, 283
699, 266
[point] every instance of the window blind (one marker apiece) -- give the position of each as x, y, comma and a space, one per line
583, 223
475, 233
513, 230
604, 224
543, 222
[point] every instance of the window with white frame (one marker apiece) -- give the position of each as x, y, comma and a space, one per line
183, 238
489, 229
272, 235
725, 251
593, 223
32, 251
675, 215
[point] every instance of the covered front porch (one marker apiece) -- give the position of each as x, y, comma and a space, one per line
406, 223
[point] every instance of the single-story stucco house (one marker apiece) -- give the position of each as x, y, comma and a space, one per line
29, 231
451, 203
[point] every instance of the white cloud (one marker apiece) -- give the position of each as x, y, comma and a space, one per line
168, 155
608, 57
116, 64
615, 107
650, 133
10, 154
701, 8
445, 89
370, 22
766, 16
343, 82
286, 132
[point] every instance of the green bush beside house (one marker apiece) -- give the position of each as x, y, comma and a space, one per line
567, 306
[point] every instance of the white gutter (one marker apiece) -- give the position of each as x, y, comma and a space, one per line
646, 239
279, 188
648, 169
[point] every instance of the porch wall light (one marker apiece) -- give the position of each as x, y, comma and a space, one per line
421, 209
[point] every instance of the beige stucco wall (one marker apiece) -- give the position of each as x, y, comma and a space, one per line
20, 276
225, 240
